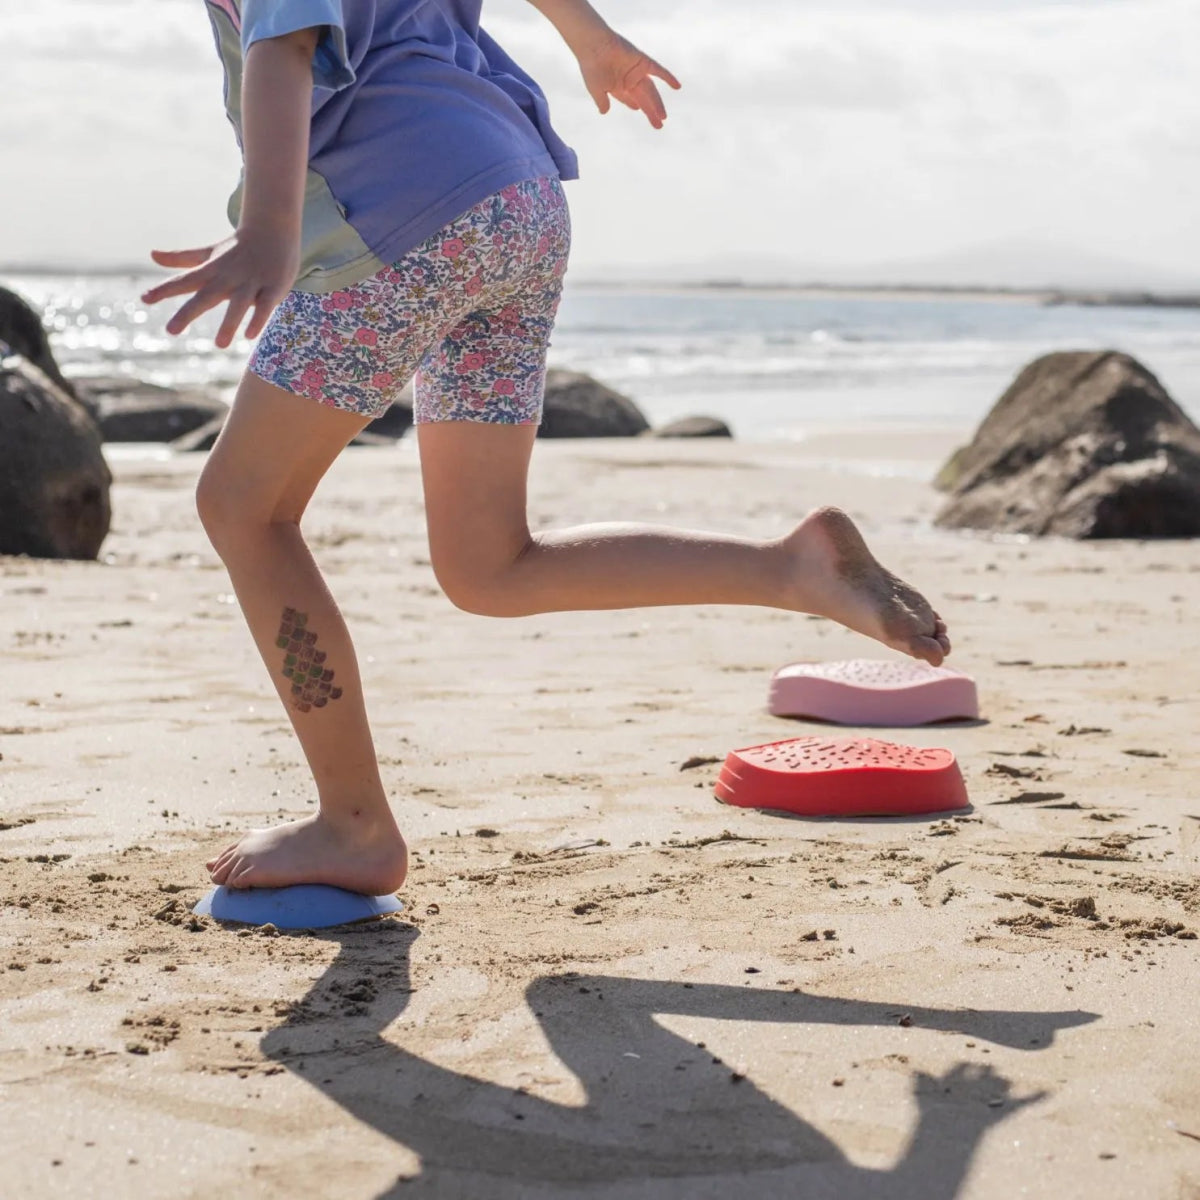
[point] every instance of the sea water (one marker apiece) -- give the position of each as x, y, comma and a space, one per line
773, 364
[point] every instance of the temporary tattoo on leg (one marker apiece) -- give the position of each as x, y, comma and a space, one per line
304, 664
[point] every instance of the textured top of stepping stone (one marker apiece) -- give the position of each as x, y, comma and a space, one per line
870, 672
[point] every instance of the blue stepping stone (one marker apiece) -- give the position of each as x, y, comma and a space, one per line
305, 906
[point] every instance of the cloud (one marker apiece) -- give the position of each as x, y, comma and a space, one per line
134, 33
808, 130
860, 130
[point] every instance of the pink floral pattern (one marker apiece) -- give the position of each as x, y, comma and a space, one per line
469, 312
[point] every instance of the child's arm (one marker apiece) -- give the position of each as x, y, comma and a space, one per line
611, 66
256, 267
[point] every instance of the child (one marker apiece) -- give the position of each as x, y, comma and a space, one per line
401, 212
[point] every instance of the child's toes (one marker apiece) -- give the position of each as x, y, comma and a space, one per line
928, 649
212, 862
217, 863
940, 635
221, 872
239, 875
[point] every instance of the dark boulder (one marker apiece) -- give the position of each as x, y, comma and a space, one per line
694, 427
204, 437
384, 431
398, 419
577, 406
1082, 445
21, 328
129, 410
54, 482
367, 438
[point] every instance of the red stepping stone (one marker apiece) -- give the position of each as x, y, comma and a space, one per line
848, 777
864, 691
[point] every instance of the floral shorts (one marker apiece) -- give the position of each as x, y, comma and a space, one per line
469, 311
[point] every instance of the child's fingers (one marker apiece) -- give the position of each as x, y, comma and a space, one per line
600, 96
182, 259
644, 97
239, 305
257, 324
264, 306
205, 299
651, 103
180, 285
657, 69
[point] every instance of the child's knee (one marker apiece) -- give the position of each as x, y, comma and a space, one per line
227, 510
212, 499
484, 589
467, 590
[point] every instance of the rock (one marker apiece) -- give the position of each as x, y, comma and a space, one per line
54, 482
367, 438
1082, 445
393, 424
21, 328
129, 410
200, 439
694, 427
578, 406
398, 419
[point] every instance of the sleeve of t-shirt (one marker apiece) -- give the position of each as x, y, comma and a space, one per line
262, 19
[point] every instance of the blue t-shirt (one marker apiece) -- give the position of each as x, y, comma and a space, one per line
417, 115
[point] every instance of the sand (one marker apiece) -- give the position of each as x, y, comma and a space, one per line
604, 983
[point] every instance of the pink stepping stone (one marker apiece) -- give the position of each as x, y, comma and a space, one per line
864, 691
846, 777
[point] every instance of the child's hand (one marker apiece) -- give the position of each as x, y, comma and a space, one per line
614, 67
250, 272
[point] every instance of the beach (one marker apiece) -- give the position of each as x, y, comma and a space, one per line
603, 982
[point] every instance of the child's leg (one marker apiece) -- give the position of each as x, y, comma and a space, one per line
478, 397
351, 351
271, 455
488, 562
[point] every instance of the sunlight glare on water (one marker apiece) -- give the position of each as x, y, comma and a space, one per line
771, 364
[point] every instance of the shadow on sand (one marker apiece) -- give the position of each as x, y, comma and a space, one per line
669, 1123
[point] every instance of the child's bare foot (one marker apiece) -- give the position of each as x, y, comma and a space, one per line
836, 576
361, 856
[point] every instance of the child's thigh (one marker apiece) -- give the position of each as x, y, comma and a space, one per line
474, 475
274, 449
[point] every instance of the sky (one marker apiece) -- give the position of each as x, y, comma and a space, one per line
990, 141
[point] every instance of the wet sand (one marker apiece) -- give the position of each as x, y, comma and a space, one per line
604, 983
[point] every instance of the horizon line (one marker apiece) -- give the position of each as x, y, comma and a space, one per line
1099, 294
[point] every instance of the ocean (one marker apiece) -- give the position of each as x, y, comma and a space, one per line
773, 364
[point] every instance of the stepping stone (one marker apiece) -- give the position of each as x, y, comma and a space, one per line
847, 777
304, 906
864, 691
